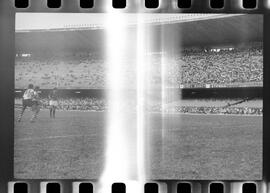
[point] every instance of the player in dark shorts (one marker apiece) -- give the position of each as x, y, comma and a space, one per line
53, 102
27, 100
36, 103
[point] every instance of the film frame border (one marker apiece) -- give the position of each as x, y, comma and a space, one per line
7, 53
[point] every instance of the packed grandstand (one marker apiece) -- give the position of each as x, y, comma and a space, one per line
220, 64
190, 69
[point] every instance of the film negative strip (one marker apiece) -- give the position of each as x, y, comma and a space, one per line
134, 96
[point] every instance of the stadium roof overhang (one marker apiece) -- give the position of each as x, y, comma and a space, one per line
208, 32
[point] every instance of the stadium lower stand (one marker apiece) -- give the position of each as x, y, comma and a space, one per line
191, 106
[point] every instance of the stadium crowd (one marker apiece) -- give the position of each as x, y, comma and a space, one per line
221, 110
190, 68
226, 67
91, 104
62, 72
94, 104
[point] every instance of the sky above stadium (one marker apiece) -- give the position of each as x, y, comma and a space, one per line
46, 21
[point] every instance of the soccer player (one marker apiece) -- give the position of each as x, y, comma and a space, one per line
27, 100
53, 102
35, 104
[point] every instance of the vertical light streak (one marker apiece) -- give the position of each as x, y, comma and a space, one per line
120, 164
164, 76
116, 155
141, 65
170, 67
163, 98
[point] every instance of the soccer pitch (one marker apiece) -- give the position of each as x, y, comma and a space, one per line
179, 146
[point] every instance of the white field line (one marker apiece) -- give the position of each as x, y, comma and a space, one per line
39, 149
51, 137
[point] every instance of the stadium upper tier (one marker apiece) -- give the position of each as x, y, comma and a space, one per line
26, 22
189, 29
189, 69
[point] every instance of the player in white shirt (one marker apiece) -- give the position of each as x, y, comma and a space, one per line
27, 100
35, 104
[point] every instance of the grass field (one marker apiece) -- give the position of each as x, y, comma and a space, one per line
179, 146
